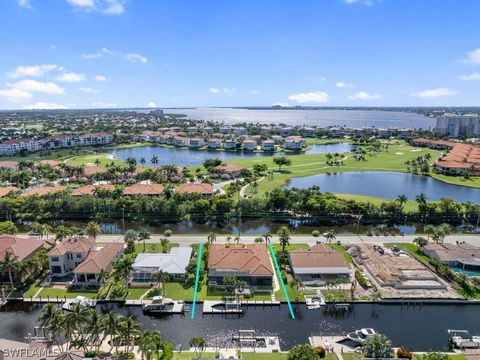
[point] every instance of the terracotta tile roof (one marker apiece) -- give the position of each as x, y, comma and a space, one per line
20, 247
52, 163
43, 190
92, 170
74, 244
90, 189
8, 164
144, 189
7, 190
253, 258
317, 256
206, 189
99, 259
229, 168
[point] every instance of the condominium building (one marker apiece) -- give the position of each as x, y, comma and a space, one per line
454, 126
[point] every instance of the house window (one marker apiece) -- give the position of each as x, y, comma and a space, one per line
55, 259
79, 256
56, 269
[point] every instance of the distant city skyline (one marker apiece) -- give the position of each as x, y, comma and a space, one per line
61, 54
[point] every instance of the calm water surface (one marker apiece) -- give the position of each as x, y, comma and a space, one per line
184, 157
421, 328
349, 118
387, 185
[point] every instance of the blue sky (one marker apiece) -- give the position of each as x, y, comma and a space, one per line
138, 53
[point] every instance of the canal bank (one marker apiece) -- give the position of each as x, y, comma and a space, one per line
419, 327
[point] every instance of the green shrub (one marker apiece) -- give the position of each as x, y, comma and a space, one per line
316, 233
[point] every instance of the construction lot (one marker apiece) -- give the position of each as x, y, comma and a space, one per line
397, 274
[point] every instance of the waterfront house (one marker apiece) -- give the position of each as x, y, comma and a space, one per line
60, 141
249, 145
230, 144
8, 165
265, 130
92, 189
92, 139
14, 146
226, 130
214, 143
203, 189
287, 131
231, 170
250, 263
21, 248
335, 132
294, 143
144, 189
268, 145
68, 254
4, 191
180, 141
192, 130
318, 264
309, 132
174, 263
43, 190
240, 131
196, 143
208, 130
88, 272
383, 133
460, 255
277, 139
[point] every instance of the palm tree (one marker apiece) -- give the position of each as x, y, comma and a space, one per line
268, 237
97, 162
144, 235
111, 326
129, 328
123, 268
77, 318
211, 238
46, 229
56, 326
330, 235
94, 328
154, 160
142, 161
47, 314
102, 276
284, 237
9, 265
402, 200
92, 229
146, 345
164, 243
199, 344
161, 277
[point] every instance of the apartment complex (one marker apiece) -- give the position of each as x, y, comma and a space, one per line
454, 126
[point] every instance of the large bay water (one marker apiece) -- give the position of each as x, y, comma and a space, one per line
387, 185
185, 157
321, 118
420, 328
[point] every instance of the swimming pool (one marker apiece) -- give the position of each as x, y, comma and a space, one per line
469, 273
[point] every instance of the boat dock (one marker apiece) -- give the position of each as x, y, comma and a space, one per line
249, 340
330, 342
222, 307
314, 301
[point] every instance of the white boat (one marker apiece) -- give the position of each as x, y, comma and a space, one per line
82, 300
160, 304
359, 336
462, 339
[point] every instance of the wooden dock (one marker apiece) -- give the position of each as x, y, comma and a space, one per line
209, 307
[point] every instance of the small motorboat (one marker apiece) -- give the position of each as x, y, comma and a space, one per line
461, 339
359, 336
82, 300
160, 304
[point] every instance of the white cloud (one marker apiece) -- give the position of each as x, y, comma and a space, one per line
39, 86
310, 97
15, 94
100, 78
364, 2
472, 76
362, 95
136, 58
433, 93
342, 85
111, 7
45, 106
71, 77
254, 92
25, 4
151, 104
101, 104
33, 70
473, 57
229, 91
88, 90
214, 90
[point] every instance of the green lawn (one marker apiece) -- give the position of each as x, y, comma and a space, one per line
179, 291
62, 293
410, 206
191, 355
352, 356
340, 248
154, 247
33, 289
291, 247
135, 293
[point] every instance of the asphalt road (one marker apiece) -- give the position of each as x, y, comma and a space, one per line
296, 239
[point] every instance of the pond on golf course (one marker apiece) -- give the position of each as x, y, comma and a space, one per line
386, 185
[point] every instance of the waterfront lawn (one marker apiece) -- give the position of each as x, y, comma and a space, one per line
352, 356
66, 293
410, 205
135, 293
34, 288
340, 248
179, 291
291, 247
155, 248
104, 159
